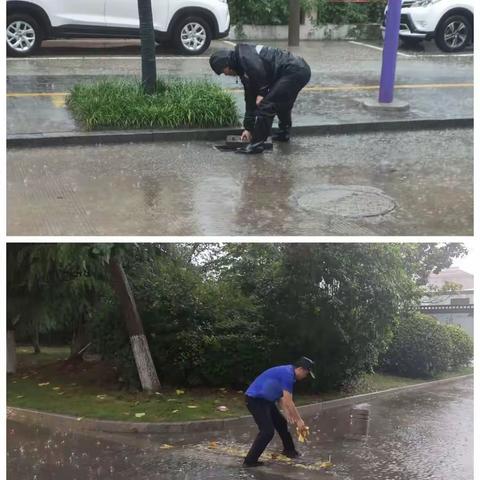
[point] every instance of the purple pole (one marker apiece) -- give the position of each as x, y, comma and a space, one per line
390, 47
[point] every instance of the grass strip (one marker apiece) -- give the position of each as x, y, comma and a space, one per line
35, 386
177, 103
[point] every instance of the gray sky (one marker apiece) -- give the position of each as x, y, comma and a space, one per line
467, 263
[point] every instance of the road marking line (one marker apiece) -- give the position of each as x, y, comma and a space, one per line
38, 94
132, 57
313, 88
228, 42
414, 55
377, 48
447, 55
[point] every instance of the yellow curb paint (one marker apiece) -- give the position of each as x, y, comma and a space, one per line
37, 94
58, 101
313, 88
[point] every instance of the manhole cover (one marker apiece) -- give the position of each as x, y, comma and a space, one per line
346, 201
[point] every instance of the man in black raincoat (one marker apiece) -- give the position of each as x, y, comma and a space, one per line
272, 79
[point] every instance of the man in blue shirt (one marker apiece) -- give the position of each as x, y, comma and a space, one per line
275, 384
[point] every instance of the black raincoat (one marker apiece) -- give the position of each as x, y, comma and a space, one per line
276, 75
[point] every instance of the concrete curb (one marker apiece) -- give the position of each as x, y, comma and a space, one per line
35, 140
54, 420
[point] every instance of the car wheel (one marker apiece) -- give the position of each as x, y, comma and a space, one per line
192, 36
24, 35
453, 34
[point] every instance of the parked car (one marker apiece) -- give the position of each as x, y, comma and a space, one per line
189, 24
448, 22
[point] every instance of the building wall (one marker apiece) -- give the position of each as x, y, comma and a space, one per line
464, 320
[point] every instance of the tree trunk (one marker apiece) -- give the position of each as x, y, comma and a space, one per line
147, 39
141, 351
35, 336
11, 352
79, 339
294, 23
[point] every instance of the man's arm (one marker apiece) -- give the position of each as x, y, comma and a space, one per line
290, 409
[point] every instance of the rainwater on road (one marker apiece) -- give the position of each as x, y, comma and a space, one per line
387, 183
414, 435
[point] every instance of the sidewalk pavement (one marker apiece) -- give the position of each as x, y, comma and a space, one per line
436, 88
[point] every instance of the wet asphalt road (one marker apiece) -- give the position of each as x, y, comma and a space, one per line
406, 183
417, 435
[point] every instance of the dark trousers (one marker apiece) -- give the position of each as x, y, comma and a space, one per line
268, 419
279, 101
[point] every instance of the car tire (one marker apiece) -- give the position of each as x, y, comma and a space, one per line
192, 36
24, 35
453, 34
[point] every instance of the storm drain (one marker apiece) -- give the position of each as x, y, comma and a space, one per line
346, 201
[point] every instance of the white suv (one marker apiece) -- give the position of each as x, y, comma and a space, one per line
189, 24
449, 22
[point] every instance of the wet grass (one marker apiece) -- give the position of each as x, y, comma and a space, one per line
88, 391
122, 104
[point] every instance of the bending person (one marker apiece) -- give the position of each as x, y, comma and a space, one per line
272, 79
275, 384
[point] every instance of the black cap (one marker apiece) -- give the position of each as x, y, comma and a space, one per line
219, 60
307, 364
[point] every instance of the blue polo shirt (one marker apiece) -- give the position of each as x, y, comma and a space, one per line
270, 384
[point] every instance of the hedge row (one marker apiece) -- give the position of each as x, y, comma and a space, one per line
276, 12
423, 347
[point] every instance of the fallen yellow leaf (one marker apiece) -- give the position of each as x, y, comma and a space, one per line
79, 419
192, 406
43, 384
180, 392
20, 396
139, 415
174, 411
166, 445
56, 388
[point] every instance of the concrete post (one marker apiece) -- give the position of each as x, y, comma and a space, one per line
359, 421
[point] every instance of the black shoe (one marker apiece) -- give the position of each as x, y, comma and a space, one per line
281, 137
253, 464
291, 453
251, 149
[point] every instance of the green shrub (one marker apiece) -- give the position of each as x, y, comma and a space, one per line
461, 353
350, 13
177, 103
259, 12
276, 12
421, 347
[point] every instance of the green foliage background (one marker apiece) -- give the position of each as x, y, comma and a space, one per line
217, 315
276, 12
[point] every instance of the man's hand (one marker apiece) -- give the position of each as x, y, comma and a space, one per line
258, 100
300, 425
246, 136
